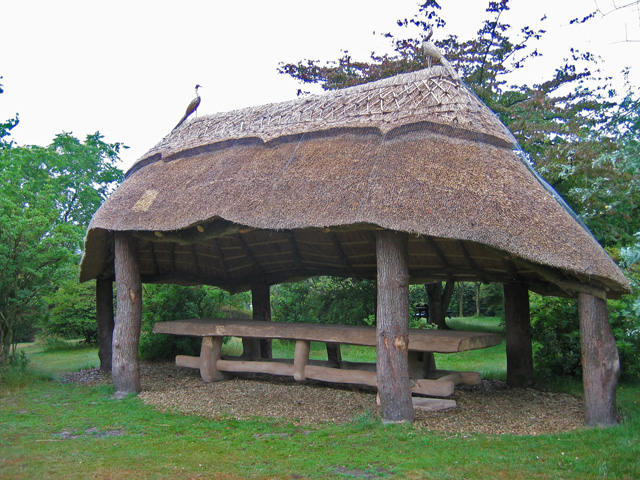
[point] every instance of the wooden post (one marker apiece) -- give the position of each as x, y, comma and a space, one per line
600, 362
392, 326
104, 317
126, 334
334, 354
261, 300
518, 325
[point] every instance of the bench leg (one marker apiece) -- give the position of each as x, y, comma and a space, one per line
209, 356
301, 359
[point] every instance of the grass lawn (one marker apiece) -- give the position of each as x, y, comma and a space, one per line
69, 431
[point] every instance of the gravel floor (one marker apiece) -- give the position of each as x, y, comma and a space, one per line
491, 407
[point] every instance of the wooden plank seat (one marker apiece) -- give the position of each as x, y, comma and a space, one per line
425, 380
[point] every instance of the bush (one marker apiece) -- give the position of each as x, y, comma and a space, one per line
72, 312
324, 300
173, 302
556, 336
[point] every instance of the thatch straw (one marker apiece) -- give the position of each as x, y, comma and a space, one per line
295, 189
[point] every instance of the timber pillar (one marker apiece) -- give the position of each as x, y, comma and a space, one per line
254, 348
125, 370
518, 336
392, 326
600, 362
104, 317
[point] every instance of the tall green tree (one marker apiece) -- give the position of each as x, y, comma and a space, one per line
48, 197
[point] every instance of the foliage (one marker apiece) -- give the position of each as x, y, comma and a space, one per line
324, 300
173, 302
48, 197
72, 311
556, 336
572, 128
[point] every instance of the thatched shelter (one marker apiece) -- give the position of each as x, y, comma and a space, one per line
327, 184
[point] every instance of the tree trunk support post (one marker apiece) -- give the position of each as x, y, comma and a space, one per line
125, 370
254, 348
104, 317
600, 362
518, 336
392, 326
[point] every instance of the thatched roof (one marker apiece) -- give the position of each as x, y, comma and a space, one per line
297, 189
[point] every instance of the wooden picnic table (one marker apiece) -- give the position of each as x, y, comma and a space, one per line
425, 379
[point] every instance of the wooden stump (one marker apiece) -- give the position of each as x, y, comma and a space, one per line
392, 327
125, 370
600, 362
518, 325
104, 317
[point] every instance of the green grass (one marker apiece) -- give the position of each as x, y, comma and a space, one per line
53, 361
68, 431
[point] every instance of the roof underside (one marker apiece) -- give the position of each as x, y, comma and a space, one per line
293, 199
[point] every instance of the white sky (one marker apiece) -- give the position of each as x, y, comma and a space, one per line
128, 67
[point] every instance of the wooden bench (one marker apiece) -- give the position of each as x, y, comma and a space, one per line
426, 380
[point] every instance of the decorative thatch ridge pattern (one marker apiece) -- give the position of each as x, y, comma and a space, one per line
293, 190
386, 104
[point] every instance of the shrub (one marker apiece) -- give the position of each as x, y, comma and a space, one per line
556, 336
72, 312
173, 302
324, 300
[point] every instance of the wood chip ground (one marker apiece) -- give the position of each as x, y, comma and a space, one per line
490, 408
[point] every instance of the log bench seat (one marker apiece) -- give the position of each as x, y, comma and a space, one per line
425, 379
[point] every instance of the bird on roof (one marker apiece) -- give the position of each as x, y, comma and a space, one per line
193, 106
433, 53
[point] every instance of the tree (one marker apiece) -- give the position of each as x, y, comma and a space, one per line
571, 127
48, 197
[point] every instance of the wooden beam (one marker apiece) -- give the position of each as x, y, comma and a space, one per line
154, 259
343, 257
125, 370
337, 375
239, 366
247, 251
216, 246
295, 251
104, 317
600, 362
470, 263
434, 247
439, 341
518, 336
194, 258
392, 326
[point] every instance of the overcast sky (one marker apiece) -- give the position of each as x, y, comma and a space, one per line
128, 68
